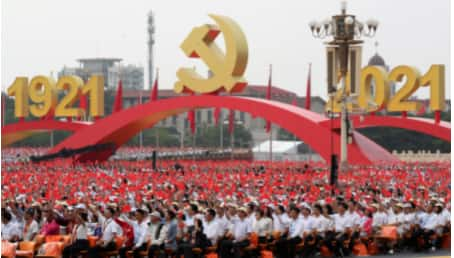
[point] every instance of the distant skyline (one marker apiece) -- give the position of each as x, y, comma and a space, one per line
40, 37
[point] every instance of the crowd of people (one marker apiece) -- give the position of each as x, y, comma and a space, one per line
222, 206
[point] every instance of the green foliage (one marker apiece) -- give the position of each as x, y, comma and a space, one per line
283, 135
403, 140
210, 136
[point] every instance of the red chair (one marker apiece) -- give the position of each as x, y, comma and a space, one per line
51, 250
8, 249
446, 241
27, 249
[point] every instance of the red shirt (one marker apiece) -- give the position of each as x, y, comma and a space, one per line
50, 228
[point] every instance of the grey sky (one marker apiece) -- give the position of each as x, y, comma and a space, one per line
43, 36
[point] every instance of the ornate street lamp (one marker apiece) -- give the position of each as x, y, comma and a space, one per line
345, 31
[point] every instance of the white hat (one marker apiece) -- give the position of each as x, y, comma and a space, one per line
243, 209
81, 206
155, 214
271, 205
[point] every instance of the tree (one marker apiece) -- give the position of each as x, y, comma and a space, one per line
284, 135
210, 136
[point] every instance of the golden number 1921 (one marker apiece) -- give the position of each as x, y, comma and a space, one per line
43, 95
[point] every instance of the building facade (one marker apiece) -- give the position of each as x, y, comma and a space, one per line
131, 77
91, 66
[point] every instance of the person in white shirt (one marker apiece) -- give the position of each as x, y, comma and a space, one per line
190, 215
341, 225
280, 220
110, 230
263, 226
409, 219
79, 239
309, 235
140, 235
10, 229
30, 226
222, 221
432, 224
286, 247
446, 215
237, 237
158, 232
397, 218
380, 218
211, 227
354, 220
251, 210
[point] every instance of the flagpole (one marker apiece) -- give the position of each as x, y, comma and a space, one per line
141, 131
221, 124
270, 125
193, 146
271, 143
157, 129
3, 109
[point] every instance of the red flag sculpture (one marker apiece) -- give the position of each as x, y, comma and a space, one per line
118, 104
308, 90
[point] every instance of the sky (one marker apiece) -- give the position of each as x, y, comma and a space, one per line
40, 37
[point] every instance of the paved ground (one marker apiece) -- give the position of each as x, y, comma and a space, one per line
436, 254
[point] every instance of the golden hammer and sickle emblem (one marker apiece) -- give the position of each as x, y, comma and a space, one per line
227, 69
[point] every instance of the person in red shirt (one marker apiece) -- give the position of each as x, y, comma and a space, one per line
50, 226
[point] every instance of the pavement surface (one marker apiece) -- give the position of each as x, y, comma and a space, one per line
436, 254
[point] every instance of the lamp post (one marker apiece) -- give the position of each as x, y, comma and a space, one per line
345, 31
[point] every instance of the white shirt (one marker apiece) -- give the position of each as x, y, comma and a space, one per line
140, 233
252, 219
31, 231
111, 228
318, 223
212, 230
446, 216
280, 222
189, 221
379, 219
308, 224
241, 229
341, 222
10, 230
295, 228
353, 219
80, 231
223, 224
433, 220
421, 217
327, 224
263, 227
409, 219
159, 239
396, 218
